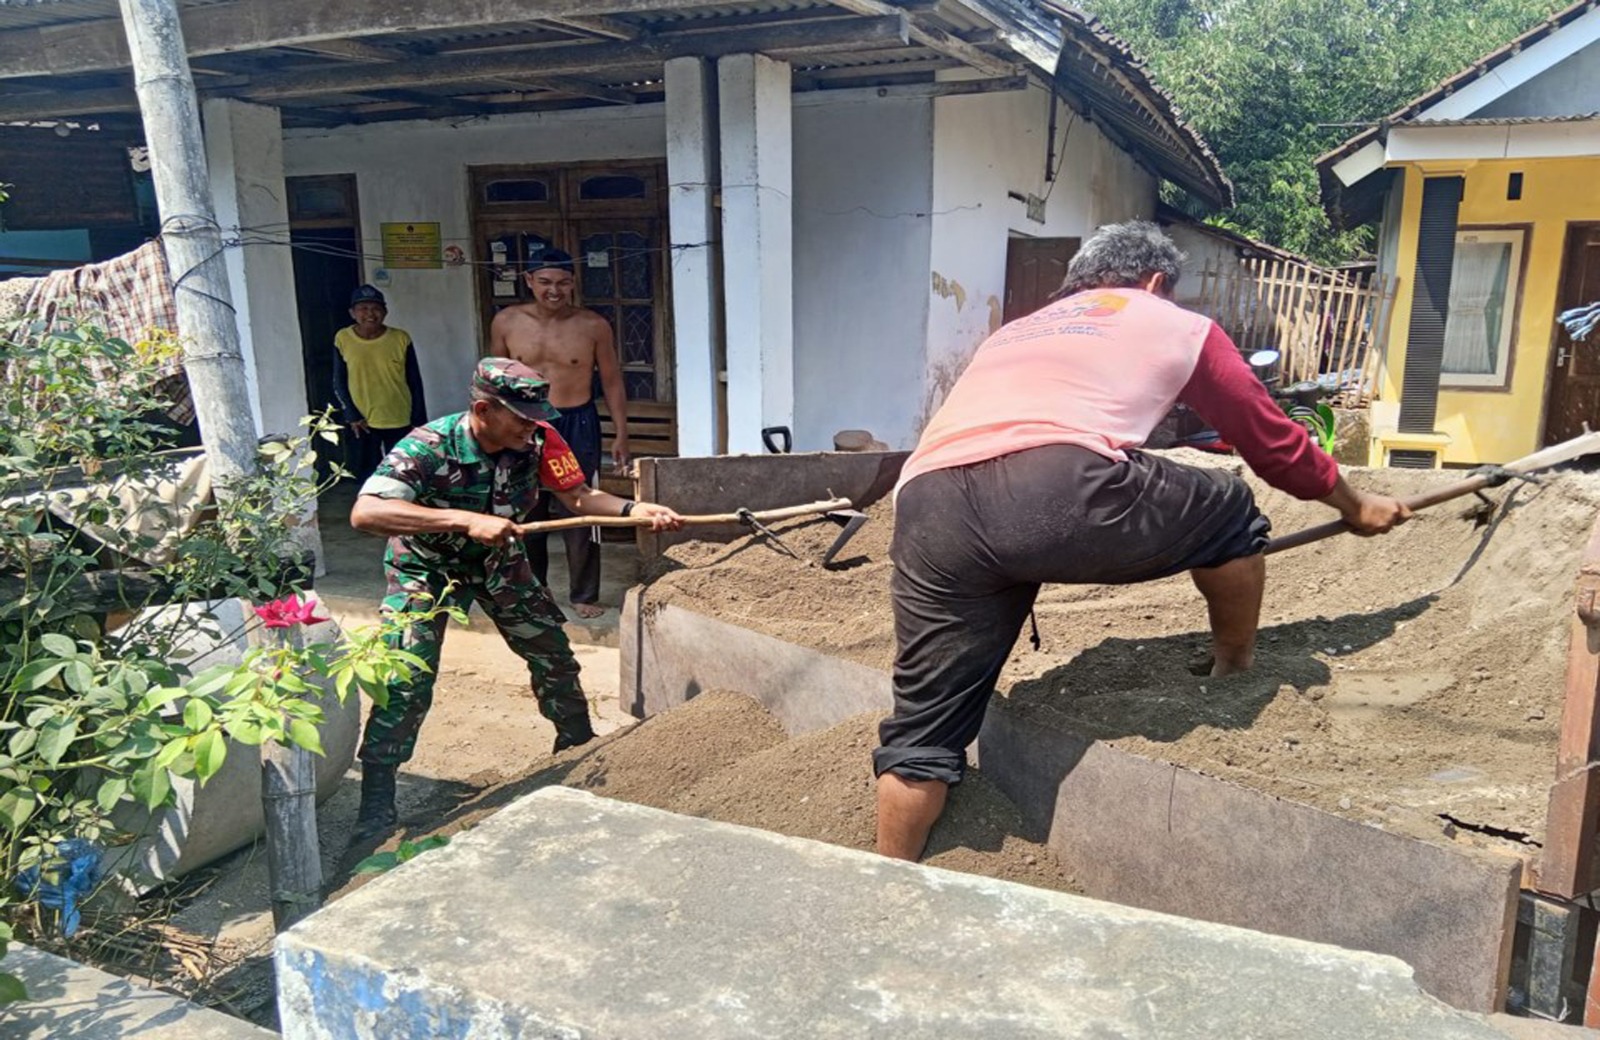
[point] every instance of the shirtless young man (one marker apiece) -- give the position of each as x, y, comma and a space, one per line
566, 343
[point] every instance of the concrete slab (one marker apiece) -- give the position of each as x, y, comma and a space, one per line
665, 663
67, 999
1150, 834
569, 915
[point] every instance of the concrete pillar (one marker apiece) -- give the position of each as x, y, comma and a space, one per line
757, 244
244, 153
244, 150
692, 176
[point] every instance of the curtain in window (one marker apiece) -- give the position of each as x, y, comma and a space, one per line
1478, 282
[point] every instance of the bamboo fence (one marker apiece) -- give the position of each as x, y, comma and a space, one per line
1327, 324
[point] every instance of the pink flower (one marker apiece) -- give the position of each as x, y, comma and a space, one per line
288, 612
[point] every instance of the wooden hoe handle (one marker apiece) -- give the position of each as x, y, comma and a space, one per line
1566, 451
765, 516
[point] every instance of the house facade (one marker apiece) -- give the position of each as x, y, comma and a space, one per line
804, 215
1488, 190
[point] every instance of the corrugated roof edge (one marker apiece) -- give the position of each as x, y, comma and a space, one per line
1206, 180
1444, 89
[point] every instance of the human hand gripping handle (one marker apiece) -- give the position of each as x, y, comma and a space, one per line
661, 518
1366, 513
1377, 514
493, 531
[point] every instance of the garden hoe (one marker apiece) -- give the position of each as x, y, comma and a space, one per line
1587, 443
838, 510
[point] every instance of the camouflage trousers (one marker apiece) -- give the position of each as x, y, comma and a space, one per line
528, 620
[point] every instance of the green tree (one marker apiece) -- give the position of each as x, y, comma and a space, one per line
1272, 84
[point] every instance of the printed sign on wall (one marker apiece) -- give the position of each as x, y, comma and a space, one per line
411, 245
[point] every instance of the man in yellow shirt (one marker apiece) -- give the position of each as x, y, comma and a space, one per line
376, 381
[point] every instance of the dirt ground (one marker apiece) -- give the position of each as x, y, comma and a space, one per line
1412, 681
723, 757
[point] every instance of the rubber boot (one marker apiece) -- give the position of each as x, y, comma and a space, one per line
573, 732
377, 813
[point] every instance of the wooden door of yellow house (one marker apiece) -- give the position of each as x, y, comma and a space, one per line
612, 219
1574, 398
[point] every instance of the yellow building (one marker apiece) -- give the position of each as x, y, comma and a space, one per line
1488, 189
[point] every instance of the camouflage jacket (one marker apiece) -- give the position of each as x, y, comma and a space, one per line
441, 465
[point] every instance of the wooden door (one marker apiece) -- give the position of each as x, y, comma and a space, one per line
619, 278
612, 219
1034, 270
325, 231
1574, 397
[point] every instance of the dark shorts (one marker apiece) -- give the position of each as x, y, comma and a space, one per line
580, 428
973, 544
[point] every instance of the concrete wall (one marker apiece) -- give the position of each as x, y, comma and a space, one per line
863, 181
884, 190
1200, 249
1495, 425
1569, 88
984, 146
418, 171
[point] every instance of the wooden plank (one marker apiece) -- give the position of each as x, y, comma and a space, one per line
578, 59
565, 84
533, 66
1566, 864
935, 39
91, 46
598, 25
353, 50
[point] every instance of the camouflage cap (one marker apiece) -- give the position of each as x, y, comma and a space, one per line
514, 385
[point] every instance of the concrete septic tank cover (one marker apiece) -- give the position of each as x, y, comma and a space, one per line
567, 915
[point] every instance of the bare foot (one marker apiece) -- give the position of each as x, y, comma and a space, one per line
588, 610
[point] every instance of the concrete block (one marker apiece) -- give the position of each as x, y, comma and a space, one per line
665, 663
568, 915
68, 999
1149, 834
723, 483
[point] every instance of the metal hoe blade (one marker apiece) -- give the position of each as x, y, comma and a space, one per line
849, 521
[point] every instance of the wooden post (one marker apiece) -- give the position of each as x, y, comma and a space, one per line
191, 238
289, 804
215, 367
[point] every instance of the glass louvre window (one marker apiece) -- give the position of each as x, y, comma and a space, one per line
1483, 304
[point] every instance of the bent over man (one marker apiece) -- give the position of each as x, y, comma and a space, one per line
449, 496
1029, 473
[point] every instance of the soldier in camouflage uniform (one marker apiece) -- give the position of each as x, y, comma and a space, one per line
449, 497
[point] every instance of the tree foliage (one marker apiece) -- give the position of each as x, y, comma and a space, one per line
1272, 84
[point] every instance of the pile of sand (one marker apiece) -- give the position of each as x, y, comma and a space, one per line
1413, 680
721, 756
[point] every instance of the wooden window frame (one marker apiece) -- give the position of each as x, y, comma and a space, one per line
1498, 382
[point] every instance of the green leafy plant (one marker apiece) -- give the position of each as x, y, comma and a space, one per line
273, 693
98, 708
379, 862
1320, 422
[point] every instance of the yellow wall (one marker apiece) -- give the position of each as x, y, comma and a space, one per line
1496, 425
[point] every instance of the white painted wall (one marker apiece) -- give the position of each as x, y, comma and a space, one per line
984, 146
863, 190
885, 191
1199, 249
409, 171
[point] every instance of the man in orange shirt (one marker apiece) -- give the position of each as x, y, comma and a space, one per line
1030, 473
